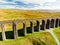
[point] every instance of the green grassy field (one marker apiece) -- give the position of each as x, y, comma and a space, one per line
57, 32
37, 38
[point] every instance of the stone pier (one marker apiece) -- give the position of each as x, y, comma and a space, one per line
3, 32
24, 28
15, 30
32, 26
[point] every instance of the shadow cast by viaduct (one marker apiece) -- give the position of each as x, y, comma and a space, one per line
41, 24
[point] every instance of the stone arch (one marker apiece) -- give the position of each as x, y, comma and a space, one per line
32, 26
43, 25
48, 24
52, 23
38, 25
57, 22
24, 28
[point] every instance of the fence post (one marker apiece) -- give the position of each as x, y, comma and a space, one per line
3, 32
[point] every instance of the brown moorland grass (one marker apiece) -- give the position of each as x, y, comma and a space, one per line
7, 14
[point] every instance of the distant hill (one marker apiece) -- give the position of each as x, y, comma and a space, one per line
8, 14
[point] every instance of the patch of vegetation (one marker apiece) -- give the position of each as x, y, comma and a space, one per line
57, 32
36, 38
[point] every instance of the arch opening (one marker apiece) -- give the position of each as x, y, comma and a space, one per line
52, 23
48, 24
57, 22
43, 25
37, 25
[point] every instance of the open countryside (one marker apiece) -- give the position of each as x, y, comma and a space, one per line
36, 38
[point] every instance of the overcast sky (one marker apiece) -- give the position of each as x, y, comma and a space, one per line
30, 4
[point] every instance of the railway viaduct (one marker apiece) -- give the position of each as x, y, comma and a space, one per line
46, 23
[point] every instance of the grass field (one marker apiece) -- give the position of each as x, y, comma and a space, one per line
37, 38
57, 32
